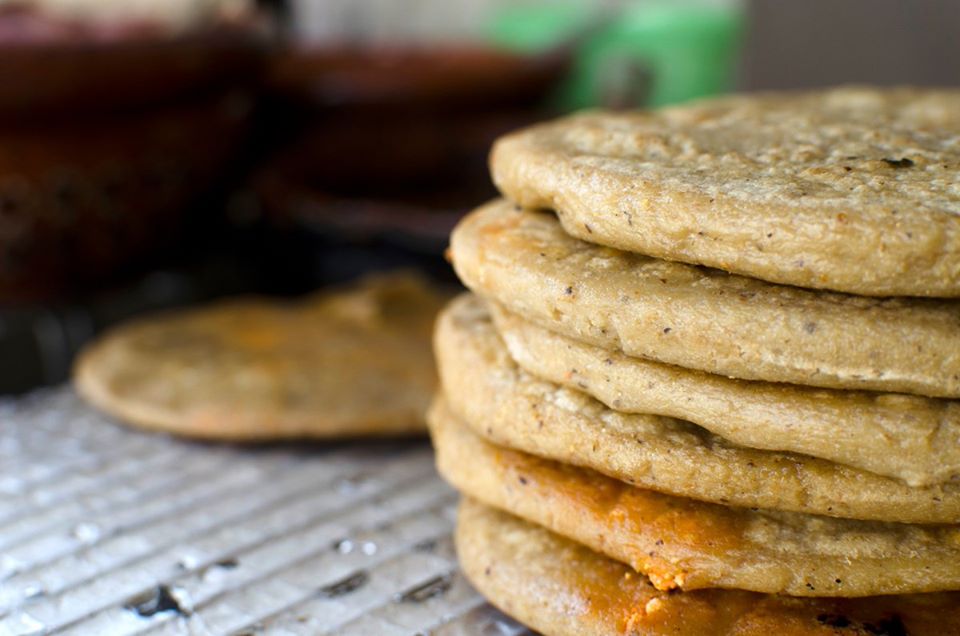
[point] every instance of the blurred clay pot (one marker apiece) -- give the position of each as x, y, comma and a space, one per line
105, 142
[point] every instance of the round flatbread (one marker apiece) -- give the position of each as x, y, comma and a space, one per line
852, 190
706, 319
351, 363
506, 405
561, 588
687, 544
912, 438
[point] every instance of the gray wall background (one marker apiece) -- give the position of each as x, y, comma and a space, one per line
804, 43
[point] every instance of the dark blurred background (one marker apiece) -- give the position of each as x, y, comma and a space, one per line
823, 42
162, 157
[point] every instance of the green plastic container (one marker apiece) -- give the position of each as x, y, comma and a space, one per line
645, 54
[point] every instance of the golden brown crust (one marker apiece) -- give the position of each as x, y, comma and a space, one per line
705, 319
349, 363
486, 389
561, 588
912, 438
849, 189
688, 544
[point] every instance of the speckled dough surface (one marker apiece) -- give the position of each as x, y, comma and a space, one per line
854, 190
504, 404
561, 588
355, 362
705, 319
909, 437
688, 544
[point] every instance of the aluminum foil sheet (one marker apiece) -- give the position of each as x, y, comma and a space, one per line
107, 530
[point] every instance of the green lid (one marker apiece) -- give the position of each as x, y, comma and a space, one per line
649, 53
536, 27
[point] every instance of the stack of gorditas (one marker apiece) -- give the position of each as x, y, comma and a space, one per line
708, 378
